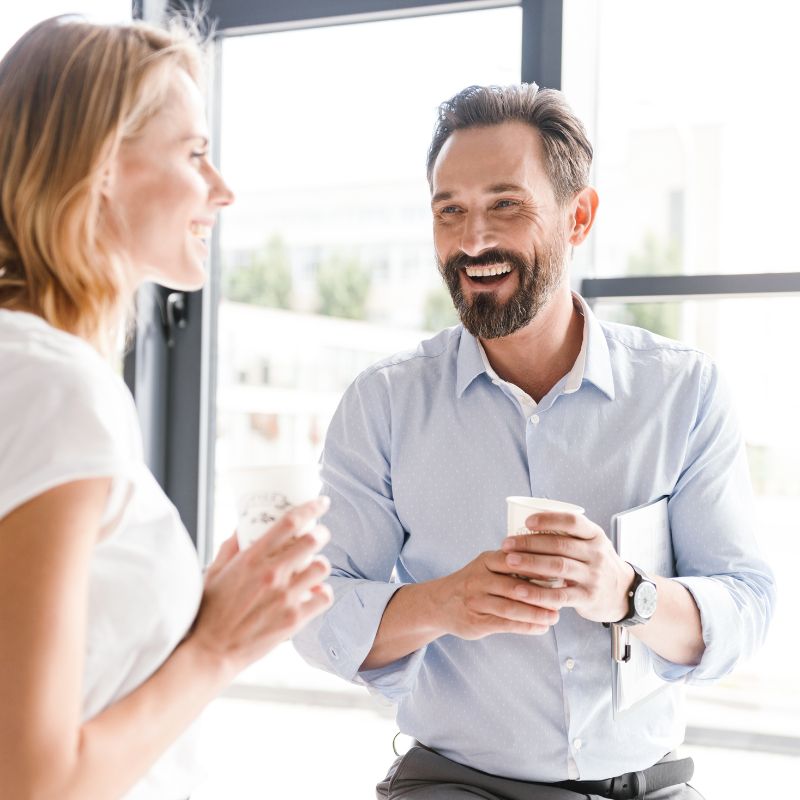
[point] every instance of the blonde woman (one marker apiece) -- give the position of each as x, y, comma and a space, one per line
110, 641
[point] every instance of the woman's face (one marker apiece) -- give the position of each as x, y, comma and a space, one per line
164, 193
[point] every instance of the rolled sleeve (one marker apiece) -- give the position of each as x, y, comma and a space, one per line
366, 541
727, 604
713, 532
339, 645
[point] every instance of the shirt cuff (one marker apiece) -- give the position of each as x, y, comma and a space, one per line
718, 613
357, 610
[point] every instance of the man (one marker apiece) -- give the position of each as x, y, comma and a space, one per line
506, 684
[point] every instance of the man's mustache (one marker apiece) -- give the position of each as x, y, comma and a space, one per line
496, 256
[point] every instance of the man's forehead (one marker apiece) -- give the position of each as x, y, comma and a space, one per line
495, 159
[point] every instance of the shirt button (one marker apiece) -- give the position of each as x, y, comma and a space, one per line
333, 653
570, 664
577, 743
535, 419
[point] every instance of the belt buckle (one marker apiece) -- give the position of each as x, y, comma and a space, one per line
630, 786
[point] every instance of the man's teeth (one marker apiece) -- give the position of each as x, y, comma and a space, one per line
200, 230
485, 272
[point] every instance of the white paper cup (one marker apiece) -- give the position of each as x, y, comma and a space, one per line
263, 494
520, 508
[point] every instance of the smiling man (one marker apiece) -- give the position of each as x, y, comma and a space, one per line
505, 684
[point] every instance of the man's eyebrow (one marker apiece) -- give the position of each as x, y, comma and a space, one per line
196, 137
495, 188
500, 188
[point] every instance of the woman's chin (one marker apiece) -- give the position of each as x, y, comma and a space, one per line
190, 278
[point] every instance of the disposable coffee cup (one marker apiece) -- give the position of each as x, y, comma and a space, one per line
519, 509
264, 494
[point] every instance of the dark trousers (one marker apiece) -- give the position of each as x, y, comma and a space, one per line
422, 774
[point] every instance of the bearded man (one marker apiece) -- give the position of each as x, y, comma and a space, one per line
506, 684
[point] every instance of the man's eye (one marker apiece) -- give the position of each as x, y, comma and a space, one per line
198, 155
448, 210
506, 203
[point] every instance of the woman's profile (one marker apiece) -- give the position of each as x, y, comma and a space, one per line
112, 640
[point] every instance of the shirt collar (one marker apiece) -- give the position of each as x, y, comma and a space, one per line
592, 364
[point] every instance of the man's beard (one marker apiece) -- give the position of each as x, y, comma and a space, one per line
485, 316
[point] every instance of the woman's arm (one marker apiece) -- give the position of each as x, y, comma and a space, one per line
252, 601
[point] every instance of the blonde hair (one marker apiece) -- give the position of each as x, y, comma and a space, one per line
70, 94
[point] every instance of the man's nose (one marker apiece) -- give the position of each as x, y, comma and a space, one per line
477, 235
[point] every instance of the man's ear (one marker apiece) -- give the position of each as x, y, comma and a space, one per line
584, 209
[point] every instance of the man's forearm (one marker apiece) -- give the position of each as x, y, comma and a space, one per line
674, 632
409, 622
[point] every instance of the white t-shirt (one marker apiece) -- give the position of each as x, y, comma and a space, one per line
65, 415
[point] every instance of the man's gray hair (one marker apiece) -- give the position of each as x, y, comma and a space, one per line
568, 153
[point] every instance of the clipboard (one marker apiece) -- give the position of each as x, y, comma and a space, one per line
641, 536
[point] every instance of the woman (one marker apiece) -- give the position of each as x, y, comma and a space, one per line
110, 643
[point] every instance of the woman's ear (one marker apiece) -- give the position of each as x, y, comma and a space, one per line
108, 179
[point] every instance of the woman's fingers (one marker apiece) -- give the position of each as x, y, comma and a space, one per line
288, 526
307, 579
282, 611
227, 552
257, 598
320, 599
297, 553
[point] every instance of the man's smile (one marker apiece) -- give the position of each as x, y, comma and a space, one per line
488, 276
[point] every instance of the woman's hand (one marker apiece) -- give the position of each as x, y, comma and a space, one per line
256, 598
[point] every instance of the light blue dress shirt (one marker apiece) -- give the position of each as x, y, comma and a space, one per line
419, 458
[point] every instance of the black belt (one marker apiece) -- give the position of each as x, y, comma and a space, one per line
635, 785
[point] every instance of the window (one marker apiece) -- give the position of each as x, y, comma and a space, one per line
691, 130
326, 266
327, 257
692, 173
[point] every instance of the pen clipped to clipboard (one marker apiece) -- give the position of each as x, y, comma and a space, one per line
620, 644
640, 536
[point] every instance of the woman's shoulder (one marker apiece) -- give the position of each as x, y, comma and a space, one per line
56, 383
33, 352
64, 413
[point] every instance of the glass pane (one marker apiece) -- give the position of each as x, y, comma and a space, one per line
327, 255
753, 341
17, 18
690, 108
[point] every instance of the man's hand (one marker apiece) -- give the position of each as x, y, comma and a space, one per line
479, 599
484, 598
597, 579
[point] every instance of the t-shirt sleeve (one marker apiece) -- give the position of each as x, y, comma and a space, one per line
64, 422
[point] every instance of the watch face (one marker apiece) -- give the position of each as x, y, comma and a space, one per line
644, 599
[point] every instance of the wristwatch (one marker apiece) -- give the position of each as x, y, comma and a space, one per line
642, 600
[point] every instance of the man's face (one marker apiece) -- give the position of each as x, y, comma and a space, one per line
500, 236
